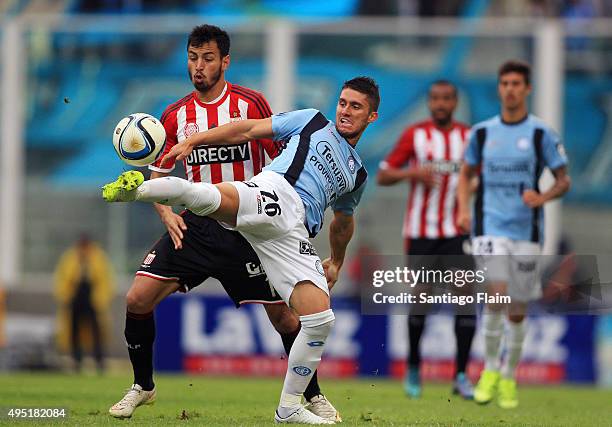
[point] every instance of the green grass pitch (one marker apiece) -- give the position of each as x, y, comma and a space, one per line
185, 400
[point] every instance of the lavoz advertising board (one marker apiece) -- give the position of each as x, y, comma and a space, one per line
208, 335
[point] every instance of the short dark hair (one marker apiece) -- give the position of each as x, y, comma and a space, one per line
515, 66
444, 82
367, 86
207, 33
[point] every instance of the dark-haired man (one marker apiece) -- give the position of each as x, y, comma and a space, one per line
197, 247
428, 155
279, 209
509, 151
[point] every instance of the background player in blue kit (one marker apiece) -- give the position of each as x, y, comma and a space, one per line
280, 208
510, 150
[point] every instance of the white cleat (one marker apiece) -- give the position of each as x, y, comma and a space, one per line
301, 416
319, 405
134, 398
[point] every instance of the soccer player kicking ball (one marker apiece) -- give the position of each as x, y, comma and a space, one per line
510, 151
277, 210
197, 247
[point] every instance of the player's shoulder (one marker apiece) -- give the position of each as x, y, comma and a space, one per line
486, 124
176, 105
303, 114
421, 124
539, 123
462, 126
246, 92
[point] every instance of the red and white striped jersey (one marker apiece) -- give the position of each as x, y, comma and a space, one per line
431, 212
218, 163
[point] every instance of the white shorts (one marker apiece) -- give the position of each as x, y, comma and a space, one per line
271, 218
514, 262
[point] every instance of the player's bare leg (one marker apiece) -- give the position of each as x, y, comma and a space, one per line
141, 299
493, 325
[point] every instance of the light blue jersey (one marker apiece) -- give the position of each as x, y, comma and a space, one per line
323, 168
512, 157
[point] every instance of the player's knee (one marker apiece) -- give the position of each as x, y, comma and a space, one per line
138, 303
283, 319
319, 324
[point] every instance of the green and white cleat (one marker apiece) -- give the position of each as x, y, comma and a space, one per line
123, 189
508, 396
487, 386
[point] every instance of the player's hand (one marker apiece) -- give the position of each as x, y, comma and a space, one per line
175, 224
427, 176
464, 221
533, 199
332, 270
177, 153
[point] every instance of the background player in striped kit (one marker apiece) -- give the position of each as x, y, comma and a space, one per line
196, 247
510, 151
428, 156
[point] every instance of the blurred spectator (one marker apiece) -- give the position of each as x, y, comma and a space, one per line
84, 287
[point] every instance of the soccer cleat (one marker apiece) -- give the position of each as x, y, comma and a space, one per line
301, 416
508, 396
463, 387
486, 387
123, 188
319, 405
412, 383
134, 398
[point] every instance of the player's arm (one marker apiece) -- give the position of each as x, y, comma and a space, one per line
228, 134
392, 170
388, 175
340, 233
175, 224
562, 184
465, 188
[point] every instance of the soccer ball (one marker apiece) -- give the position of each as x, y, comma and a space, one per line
139, 139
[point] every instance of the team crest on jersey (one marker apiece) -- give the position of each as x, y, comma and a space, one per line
351, 164
190, 129
236, 117
523, 144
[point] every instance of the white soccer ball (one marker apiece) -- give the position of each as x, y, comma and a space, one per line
139, 139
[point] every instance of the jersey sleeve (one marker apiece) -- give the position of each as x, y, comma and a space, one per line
349, 201
553, 151
168, 120
402, 152
472, 154
286, 125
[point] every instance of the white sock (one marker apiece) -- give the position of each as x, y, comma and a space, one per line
514, 348
304, 359
200, 198
493, 328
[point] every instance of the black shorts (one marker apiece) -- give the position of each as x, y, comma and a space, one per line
209, 250
442, 254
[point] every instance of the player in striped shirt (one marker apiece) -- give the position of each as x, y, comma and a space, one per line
428, 156
197, 247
